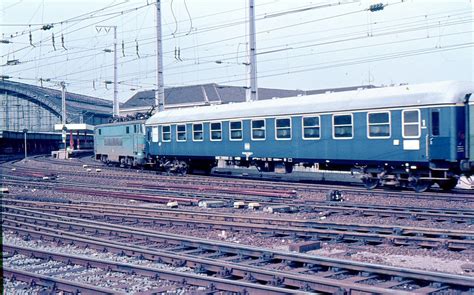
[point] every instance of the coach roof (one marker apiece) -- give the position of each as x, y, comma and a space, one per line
437, 93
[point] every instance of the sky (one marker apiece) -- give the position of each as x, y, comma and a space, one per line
301, 44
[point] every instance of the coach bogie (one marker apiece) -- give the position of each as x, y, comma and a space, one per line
418, 183
370, 180
448, 184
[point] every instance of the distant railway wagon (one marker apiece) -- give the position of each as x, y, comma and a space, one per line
410, 135
121, 142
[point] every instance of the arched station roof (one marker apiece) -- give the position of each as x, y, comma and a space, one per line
50, 99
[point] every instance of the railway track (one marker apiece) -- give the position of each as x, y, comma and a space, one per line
327, 208
107, 267
164, 182
455, 240
192, 197
290, 271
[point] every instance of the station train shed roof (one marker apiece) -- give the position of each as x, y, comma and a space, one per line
216, 94
51, 98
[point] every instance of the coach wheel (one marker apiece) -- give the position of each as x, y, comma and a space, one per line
448, 185
183, 168
419, 185
369, 182
288, 167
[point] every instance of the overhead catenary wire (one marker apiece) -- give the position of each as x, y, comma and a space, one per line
319, 43
203, 58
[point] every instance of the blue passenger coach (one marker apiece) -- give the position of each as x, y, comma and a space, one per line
409, 135
121, 142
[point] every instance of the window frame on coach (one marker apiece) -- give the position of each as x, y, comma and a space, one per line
219, 131
262, 128
201, 131
279, 128
304, 127
369, 124
178, 132
418, 123
334, 126
241, 130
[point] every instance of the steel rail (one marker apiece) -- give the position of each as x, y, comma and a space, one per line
53, 284
227, 249
157, 273
279, 183
296, 229
325, 208
206, 265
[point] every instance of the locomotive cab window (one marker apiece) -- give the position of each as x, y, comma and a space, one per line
100, 131
311, 127
411, 123
216, 131
198, 134
166, 133
378, 125
283, 129
258, 129
435, 123
181, 132
235, 130
342, 126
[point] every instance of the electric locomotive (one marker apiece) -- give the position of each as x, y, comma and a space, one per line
121, 142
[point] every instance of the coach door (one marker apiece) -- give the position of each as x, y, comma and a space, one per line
435, 150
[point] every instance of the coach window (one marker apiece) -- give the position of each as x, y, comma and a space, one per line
342, 126
311, 128
378, 125
258, 129
154, 134
181, 132
100, 131
235, 130
283, 129
166, 132
134, 128
435, 123
197, 132
127, 130
411, 123
216, 131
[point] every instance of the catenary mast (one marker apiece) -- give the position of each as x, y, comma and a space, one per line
252, 54
160, 91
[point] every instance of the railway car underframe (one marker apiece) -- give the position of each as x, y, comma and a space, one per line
181, 165
419, 178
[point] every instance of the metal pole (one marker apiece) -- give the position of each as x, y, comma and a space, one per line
160, 92
253, 52
64, 135
63, 103
24, 132
116, 104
